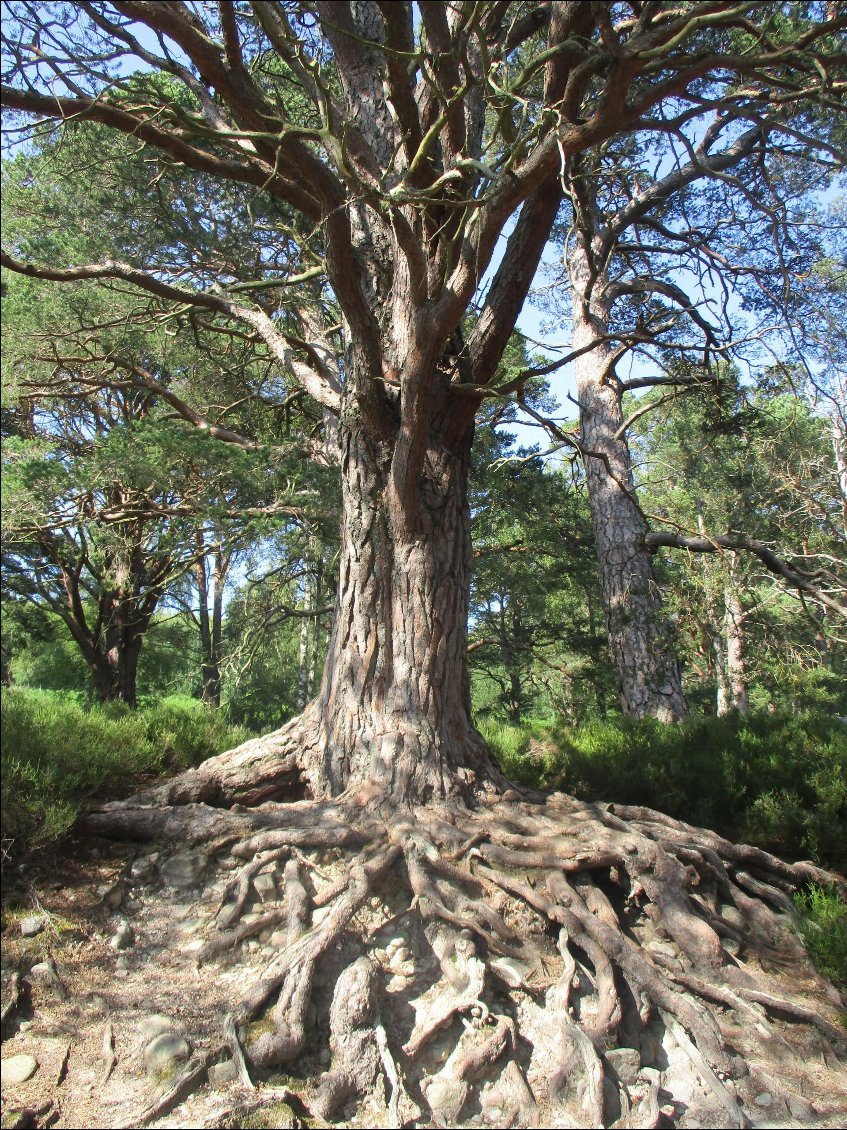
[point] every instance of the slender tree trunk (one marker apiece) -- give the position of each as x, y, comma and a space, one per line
394, 707
210, 623
734, 632
640, 637
308, 637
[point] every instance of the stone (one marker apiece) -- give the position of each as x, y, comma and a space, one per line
764, 1099
113, 894
626, 1063
123, 937
142, 869
265, 887
18, 1068
165, 1051
122, 966
45, 973
155, 1024
732, 915
222, 1073
33, 924
183, 869
731, 946
802, 1110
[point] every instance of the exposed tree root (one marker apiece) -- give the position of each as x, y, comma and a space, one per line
536, 963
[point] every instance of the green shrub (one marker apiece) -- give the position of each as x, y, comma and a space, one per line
779, 780
56, 754
823, 924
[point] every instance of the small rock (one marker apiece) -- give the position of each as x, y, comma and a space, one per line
265, 887
124, 936
142, 869
764, 1099
662, 948
155, 1025
112, 894
183, 869
222, 1073
802, 1110
122, 966
732, 915
165, 1051
19, 1068
626, 1063
33, 924
45, 973
278, 938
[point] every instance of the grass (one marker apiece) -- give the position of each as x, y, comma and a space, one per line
777, 780
56, 754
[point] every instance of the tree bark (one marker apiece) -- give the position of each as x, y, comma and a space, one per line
114, 666
640, 637
736, 675
210, 623
394, 706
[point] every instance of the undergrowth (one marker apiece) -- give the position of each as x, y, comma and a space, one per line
823, 924
56, 753
776, 780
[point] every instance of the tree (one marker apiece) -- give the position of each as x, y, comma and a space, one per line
655, 228
399, 144
758, 460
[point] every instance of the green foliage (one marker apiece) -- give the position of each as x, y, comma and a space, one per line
779, 780
823, 924
56, 754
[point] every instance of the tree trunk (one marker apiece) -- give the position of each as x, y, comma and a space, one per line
394, 706
734, 633
210, 625
640, 637
115, 668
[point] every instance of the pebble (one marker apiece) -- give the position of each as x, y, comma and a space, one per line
112, 894
155, 1024
142, 869
265, 887
626, 1063
802, 1109
32, 925
19, 1068
122, 966
764, 1099
222, 1073
164, 1051
123, 937
731, 914
183, 869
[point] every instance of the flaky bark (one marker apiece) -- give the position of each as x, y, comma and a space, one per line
395, 704
640, 637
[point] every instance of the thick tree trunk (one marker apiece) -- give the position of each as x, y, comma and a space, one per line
394, 706
640, 637
115, 669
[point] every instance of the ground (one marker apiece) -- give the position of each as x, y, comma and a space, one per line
451, 970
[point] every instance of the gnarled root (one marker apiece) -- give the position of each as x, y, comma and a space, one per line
352, 1041
530, 963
